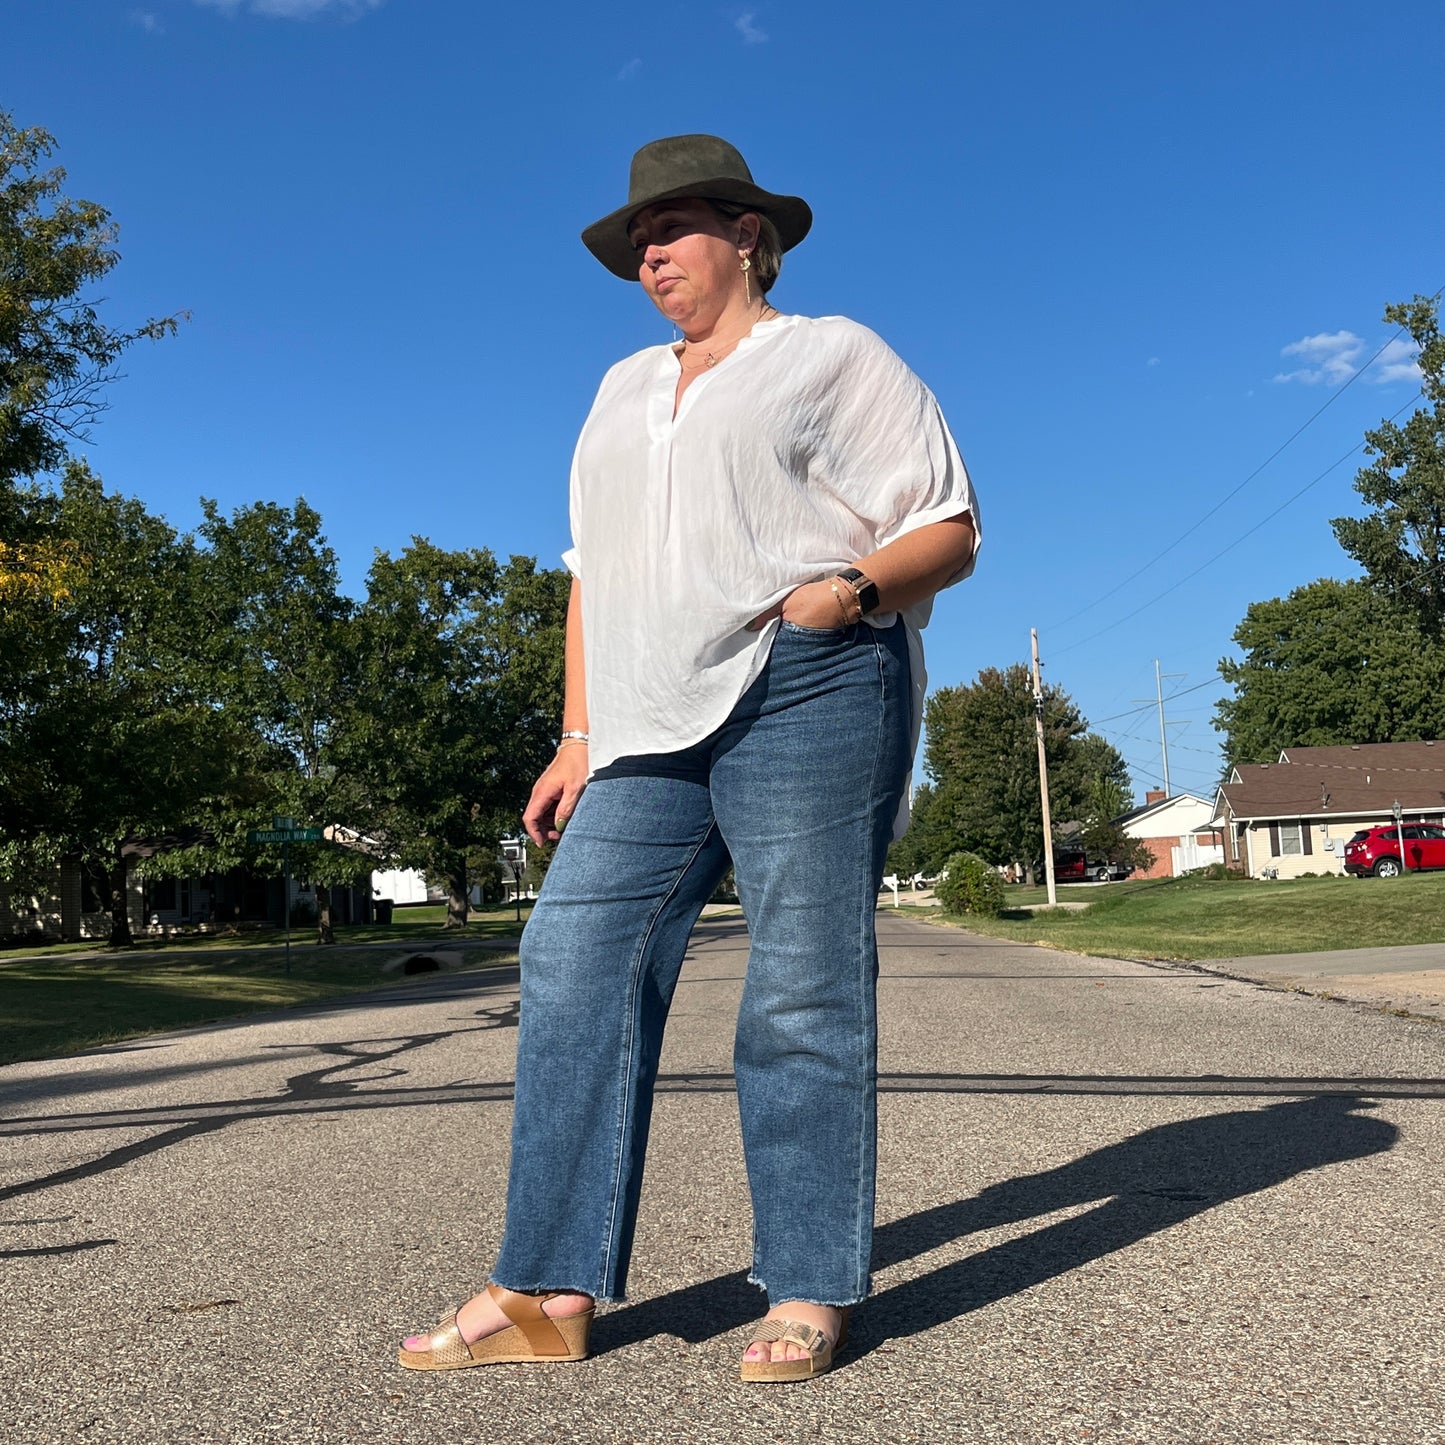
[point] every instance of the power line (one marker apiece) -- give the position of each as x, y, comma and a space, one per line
1169, 697
1224, 551
1372, 595
1229, 496
1185, 691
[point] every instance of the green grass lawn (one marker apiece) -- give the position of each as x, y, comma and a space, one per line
57, 1005
1018, 896
1192, 918
407, 926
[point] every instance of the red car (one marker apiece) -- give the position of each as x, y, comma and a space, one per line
1377, 850
1073, 866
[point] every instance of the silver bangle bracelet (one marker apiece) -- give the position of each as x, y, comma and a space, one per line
574, 736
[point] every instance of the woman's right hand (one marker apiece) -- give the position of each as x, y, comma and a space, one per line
813, 604
555, 794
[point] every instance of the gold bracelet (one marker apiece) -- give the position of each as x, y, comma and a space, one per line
847, 621
571, 743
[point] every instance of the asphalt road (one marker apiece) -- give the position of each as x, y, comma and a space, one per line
1118, 1202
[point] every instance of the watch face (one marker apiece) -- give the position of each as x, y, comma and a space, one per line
866, 589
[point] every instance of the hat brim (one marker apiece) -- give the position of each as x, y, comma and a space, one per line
607, 239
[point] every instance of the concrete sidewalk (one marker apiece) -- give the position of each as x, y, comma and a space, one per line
1410, 977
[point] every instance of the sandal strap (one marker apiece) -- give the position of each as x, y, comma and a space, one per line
538, 1328
447, 1345
791, 1332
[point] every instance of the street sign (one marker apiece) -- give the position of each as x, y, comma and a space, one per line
284, 835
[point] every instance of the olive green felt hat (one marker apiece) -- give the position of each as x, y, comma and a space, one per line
704, 166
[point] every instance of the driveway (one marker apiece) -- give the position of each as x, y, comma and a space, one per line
1118, 1203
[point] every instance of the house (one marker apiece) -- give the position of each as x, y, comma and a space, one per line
69, 908
1295, 816
72, 907
1177, 830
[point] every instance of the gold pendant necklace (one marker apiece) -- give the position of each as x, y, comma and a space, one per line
710, 358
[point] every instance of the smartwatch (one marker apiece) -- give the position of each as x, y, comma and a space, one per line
866, 590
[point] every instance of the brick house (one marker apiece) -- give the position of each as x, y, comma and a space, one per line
1295, 816
1178, 831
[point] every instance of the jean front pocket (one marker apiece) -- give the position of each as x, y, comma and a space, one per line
832, 634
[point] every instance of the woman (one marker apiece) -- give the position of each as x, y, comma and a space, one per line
761, 515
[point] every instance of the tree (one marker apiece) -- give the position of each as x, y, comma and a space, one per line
1360, 661
103, 737
460, 703
1101, 837
283, 664
56, 354
930, 839
1334, 662
1401, 543
981, 755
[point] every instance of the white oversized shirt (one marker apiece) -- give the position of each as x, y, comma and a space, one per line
809, 446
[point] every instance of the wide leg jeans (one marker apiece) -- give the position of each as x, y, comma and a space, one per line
799, 788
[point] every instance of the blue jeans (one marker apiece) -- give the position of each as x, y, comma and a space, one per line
799, 788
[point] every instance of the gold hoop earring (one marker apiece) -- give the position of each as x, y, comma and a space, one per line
747, 266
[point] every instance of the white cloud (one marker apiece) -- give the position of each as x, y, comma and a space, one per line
1153, 361
1333, 357
1399, 361
749, 31
147, 21
1329, 357
296, 9
630, 69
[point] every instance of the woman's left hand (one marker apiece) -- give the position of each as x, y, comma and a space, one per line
814, 604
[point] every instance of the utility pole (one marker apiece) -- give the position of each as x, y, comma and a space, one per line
1163, 731
1043, 771
1158, 701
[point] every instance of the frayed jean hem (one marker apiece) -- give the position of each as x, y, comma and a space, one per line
803, 1299
601, 1299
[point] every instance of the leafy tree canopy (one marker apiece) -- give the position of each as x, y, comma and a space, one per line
1360, 661
56, 354
981, 755
281, 660
1334, 662
1401, 542
103, 736
460, 703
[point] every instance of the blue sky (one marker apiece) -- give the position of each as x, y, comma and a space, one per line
1131, 246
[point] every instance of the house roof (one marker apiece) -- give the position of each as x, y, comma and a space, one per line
187, 836
1345, 781
1371, 757
1158, 806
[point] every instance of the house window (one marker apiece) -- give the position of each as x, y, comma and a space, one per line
1291, 841
162, 896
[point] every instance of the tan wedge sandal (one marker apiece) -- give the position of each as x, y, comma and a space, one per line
533, 1337
821, 1351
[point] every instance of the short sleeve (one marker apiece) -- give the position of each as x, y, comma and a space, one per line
572, 557
892, 459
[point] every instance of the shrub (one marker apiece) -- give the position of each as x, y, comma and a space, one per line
1214, 873
726, 890
972, 886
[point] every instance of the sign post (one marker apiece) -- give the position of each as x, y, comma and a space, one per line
285, 832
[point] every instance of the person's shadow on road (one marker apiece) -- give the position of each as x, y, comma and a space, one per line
1139, 1186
